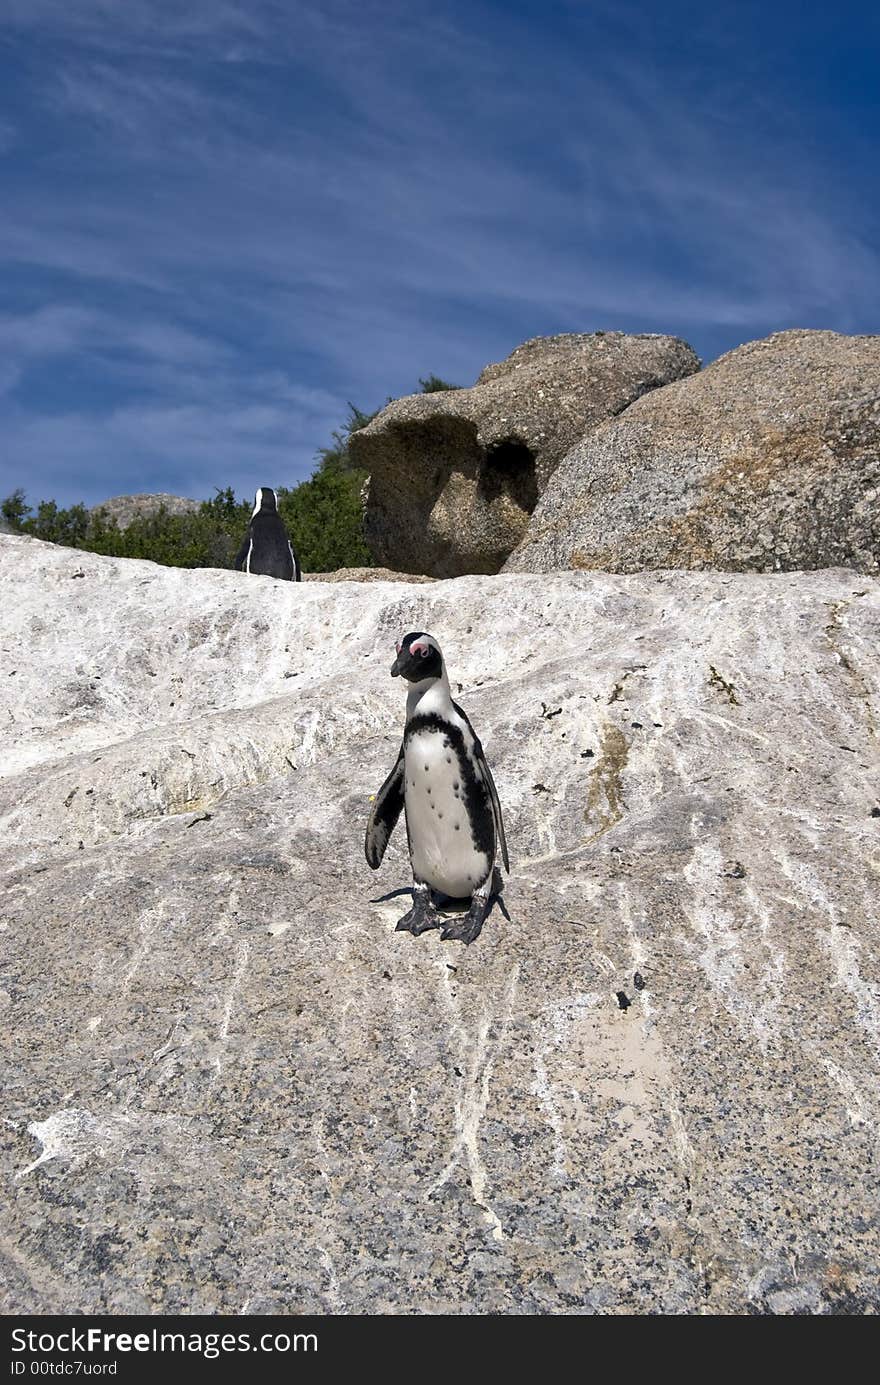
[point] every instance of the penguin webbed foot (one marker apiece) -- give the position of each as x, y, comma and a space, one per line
469, 926
421, 917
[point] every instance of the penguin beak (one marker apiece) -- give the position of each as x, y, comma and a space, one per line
395, 667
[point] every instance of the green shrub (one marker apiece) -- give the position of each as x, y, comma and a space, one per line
15, 509
324, 516
432, 384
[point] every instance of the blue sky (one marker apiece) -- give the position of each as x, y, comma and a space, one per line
222, 219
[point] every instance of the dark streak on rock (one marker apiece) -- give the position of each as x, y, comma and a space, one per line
721, 685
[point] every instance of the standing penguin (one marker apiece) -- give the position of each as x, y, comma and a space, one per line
453, 817
266, 548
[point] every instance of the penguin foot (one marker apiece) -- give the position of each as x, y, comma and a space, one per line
468, 927
420, 919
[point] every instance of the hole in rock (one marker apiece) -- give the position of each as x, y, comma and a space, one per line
510, 467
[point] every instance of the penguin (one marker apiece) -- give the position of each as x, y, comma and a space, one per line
266, 549
441, 780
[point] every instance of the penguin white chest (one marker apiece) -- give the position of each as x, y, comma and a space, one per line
441, 841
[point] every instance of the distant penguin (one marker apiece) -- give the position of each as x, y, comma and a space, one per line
441, 779
266, 549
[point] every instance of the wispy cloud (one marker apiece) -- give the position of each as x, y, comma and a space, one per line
177, 410
187, 449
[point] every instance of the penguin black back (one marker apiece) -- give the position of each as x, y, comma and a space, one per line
266, 549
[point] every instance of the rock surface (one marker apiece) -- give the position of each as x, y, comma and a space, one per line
454, 476
127, 508
650, 1087
768, 459
364, 574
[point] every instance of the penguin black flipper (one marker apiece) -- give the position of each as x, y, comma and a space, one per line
386, 809
297, 570
490, 785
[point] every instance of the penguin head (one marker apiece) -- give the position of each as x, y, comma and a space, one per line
265, 501
418, 658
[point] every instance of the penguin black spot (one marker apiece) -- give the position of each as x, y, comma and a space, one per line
457, 827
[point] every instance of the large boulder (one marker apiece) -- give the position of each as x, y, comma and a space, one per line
125, 509
768, 459
651, 1086
454, 476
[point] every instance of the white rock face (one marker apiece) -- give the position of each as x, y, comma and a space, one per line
650, 1086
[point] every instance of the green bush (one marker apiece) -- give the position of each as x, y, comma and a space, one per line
323, 516
15, 509
432, 384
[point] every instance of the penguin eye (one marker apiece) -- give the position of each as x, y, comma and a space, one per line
424, 651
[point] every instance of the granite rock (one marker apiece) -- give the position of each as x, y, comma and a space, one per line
768, 459
651, 1086
364, 574
124, 509
455, 475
